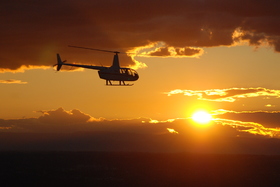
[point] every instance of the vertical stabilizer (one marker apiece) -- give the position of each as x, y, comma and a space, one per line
116, 64
59, 62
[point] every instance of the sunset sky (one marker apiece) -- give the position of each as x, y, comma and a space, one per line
222, 57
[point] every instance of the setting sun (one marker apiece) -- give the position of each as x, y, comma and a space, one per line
202, 117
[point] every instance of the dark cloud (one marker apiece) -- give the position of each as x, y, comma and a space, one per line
226, 122
33, 32
188, 51
161, 52
176, 52
60, 120
74, 130
269, 119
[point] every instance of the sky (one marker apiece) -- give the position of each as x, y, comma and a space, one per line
222, 57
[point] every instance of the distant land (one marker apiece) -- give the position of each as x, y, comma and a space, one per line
137, 169
137, 142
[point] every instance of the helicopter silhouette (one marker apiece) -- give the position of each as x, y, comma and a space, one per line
112, 73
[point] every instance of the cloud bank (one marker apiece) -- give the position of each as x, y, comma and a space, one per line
74, 130
33, 32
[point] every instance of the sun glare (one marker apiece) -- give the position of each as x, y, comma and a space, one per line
202, 117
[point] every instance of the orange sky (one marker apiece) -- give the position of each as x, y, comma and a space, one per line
212, 55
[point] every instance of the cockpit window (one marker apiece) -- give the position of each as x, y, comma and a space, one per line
133, 72
128, 71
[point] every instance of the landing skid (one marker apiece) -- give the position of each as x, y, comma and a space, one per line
121, 83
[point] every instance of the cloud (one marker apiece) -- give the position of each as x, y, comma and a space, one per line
62, 121
251, 127
260, 30
32, 33
74, 130
172, 131
176, 52
12, 81
60, 116
269, 119
227, 95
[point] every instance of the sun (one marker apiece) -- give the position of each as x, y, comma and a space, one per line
202, 117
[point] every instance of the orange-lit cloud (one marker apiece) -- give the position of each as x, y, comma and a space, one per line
264, 123
172, 131
24, 68
12, 81
251, 127
60, 120
227, 95
176, 52
74, 130
61, 115
269, 119
32, 33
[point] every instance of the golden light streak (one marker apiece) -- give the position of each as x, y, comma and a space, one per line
153, 121
269, 105
23, 68
144, 51
172, 131
227, 95
251, 127
166, 121
222, 111
140, 52
12, 81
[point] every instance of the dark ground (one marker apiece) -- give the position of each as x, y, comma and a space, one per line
137, 169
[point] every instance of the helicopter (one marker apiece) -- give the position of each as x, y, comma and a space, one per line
112, 73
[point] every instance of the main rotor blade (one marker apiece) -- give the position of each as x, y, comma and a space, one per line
94, 49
